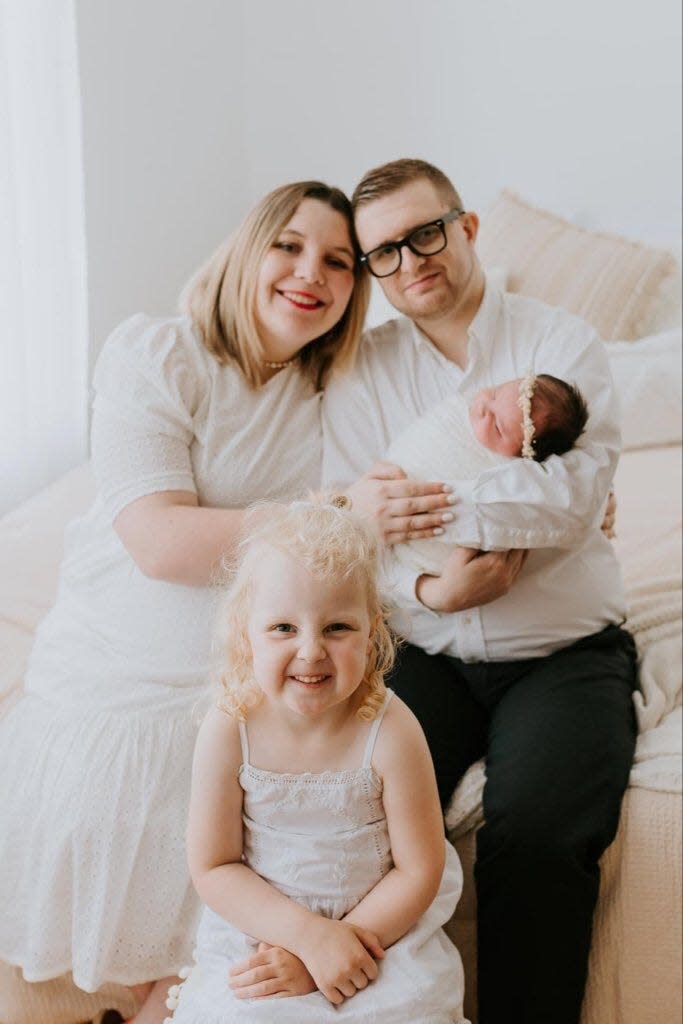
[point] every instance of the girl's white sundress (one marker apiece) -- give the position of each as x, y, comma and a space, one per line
322, 839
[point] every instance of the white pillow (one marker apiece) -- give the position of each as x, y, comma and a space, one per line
667, 310
647, 377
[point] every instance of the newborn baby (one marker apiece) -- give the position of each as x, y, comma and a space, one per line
532, 417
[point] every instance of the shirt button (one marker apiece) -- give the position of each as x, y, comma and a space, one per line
467, 620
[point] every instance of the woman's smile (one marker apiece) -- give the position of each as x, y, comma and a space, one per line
305, 280
302, 300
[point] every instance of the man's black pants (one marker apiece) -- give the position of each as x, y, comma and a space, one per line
558, 734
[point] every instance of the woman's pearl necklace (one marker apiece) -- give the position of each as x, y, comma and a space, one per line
279, 366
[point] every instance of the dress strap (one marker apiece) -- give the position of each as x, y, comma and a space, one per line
374, 729
244, 741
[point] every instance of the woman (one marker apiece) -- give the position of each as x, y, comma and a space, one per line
194, 418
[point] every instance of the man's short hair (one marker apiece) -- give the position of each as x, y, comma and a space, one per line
382, 181
563, 412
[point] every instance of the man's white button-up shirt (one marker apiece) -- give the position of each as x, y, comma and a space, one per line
570, 585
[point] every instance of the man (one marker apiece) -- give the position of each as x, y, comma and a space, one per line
543, 681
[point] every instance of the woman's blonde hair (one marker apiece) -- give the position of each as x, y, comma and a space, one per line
331, 543
221, 297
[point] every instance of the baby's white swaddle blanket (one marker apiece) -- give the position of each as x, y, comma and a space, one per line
439, 446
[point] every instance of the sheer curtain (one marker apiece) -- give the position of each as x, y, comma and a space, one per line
43, 314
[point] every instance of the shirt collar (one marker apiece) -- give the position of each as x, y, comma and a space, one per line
482, 330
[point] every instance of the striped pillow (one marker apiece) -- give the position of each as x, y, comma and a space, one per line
611, 282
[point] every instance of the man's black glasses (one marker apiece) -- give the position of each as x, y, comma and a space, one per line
426, 240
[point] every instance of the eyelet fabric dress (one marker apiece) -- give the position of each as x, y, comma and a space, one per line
95, 758
322, 839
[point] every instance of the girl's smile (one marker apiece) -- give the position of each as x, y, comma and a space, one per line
309, 636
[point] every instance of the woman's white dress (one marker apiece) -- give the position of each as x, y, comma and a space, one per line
322, 839
95, 758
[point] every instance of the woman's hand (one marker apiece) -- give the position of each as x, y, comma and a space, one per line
401, 509
608, 521
270, 973
339, 957
470, 578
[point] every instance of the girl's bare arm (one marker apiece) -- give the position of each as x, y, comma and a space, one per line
416, 830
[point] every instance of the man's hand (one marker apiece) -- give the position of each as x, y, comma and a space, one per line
270, 973
401, 509
470, 578
607, 526
340, 958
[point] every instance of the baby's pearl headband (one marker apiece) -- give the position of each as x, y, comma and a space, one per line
526, 393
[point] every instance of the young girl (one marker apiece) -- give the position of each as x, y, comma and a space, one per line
315, 836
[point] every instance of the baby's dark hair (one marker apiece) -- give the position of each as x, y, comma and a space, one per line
560, 413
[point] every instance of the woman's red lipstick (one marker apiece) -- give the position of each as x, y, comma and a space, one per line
302, 300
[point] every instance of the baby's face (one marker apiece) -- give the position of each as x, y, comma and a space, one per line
497, 419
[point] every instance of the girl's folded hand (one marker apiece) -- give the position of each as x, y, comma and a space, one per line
340, 958
270, 973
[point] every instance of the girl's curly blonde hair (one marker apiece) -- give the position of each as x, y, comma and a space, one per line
331, 543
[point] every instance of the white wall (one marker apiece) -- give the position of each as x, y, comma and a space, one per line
193, 110
162, 139
332, 95
576, 105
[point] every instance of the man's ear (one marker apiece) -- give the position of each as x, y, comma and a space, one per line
470, 223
